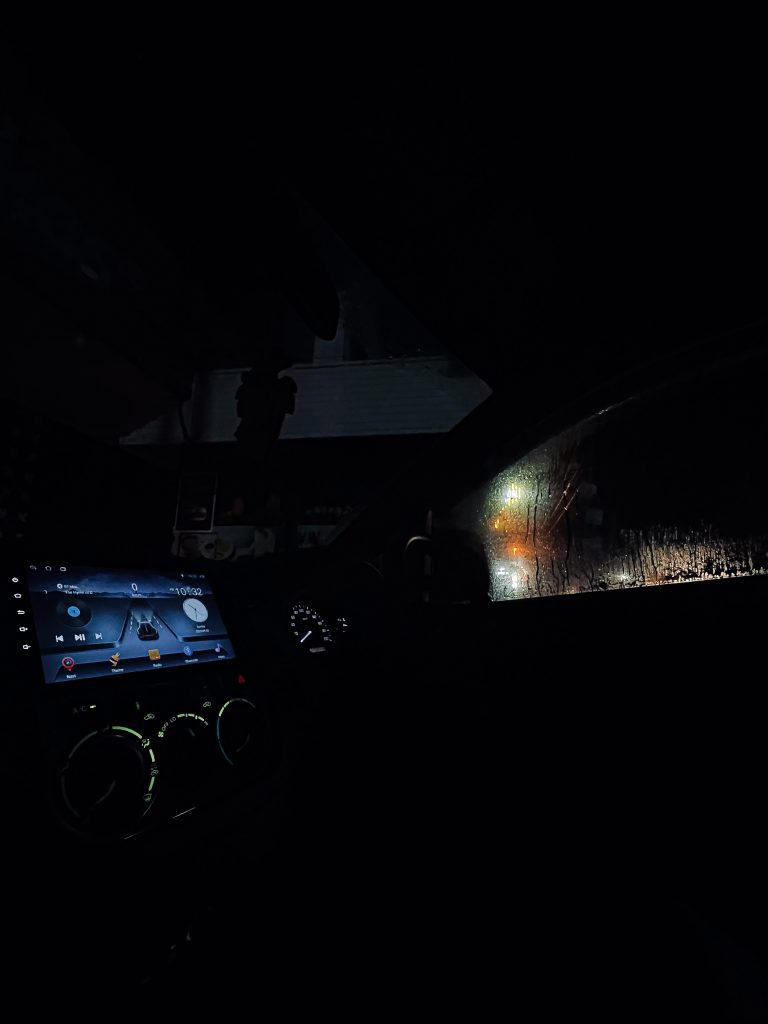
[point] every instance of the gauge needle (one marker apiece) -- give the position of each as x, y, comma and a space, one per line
308, 633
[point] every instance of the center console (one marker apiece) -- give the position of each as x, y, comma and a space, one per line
146, 713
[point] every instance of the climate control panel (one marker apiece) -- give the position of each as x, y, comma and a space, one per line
122, 762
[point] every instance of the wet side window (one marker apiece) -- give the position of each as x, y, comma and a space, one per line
665, 488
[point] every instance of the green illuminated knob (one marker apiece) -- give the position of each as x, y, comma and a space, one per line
108, 781
186, 752
245, 736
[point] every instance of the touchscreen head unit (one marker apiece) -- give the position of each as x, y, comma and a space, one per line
106, 622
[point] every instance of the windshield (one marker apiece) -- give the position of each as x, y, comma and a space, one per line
348, 412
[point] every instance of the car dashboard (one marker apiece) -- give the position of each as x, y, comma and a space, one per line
346, 756
160, 725
153, 698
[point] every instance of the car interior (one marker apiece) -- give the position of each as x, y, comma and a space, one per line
383, 549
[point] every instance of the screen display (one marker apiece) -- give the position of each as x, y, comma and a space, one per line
109, 622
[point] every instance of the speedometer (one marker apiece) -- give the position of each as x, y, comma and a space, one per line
310, 629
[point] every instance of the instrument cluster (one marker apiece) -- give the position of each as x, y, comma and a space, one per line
315, 633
